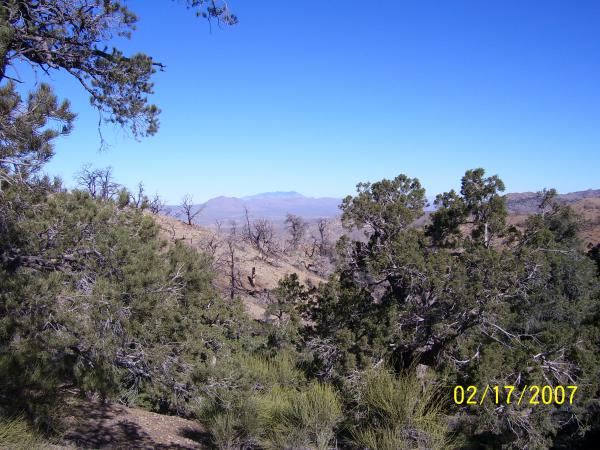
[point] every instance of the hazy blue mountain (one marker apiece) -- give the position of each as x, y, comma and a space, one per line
270, 205
274, 195
276, 205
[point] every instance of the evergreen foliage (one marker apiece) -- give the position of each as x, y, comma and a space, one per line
473, 300
73, 36
93, 301
91, 297
28, 129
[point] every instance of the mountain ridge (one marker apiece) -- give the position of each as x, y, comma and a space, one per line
269, 205
276, 205
527, 202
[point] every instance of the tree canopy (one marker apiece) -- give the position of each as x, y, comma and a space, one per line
75, 36
466, 298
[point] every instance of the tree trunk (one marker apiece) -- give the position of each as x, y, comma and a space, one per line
232, 273
486, 235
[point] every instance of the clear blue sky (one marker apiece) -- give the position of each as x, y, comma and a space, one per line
317, 96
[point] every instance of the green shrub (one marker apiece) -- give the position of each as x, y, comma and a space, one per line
397, 412
268, 402
268, 372
305, 419
224, 429
92, 297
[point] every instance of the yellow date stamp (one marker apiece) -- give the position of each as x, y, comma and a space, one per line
505, 395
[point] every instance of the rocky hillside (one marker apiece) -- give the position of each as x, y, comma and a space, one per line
254, 273
587, 206
527, 202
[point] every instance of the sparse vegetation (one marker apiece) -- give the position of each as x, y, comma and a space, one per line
297, 228
189, 211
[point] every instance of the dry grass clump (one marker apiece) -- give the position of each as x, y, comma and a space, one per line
273, 407
16, 434
398, 412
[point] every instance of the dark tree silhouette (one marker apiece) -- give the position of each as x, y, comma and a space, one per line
189, 210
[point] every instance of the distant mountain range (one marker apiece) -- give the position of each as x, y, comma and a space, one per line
276, 205
278, 195
269, 205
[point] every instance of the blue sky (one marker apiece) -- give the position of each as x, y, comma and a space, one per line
317, 96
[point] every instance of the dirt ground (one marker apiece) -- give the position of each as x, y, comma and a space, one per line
92, 424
